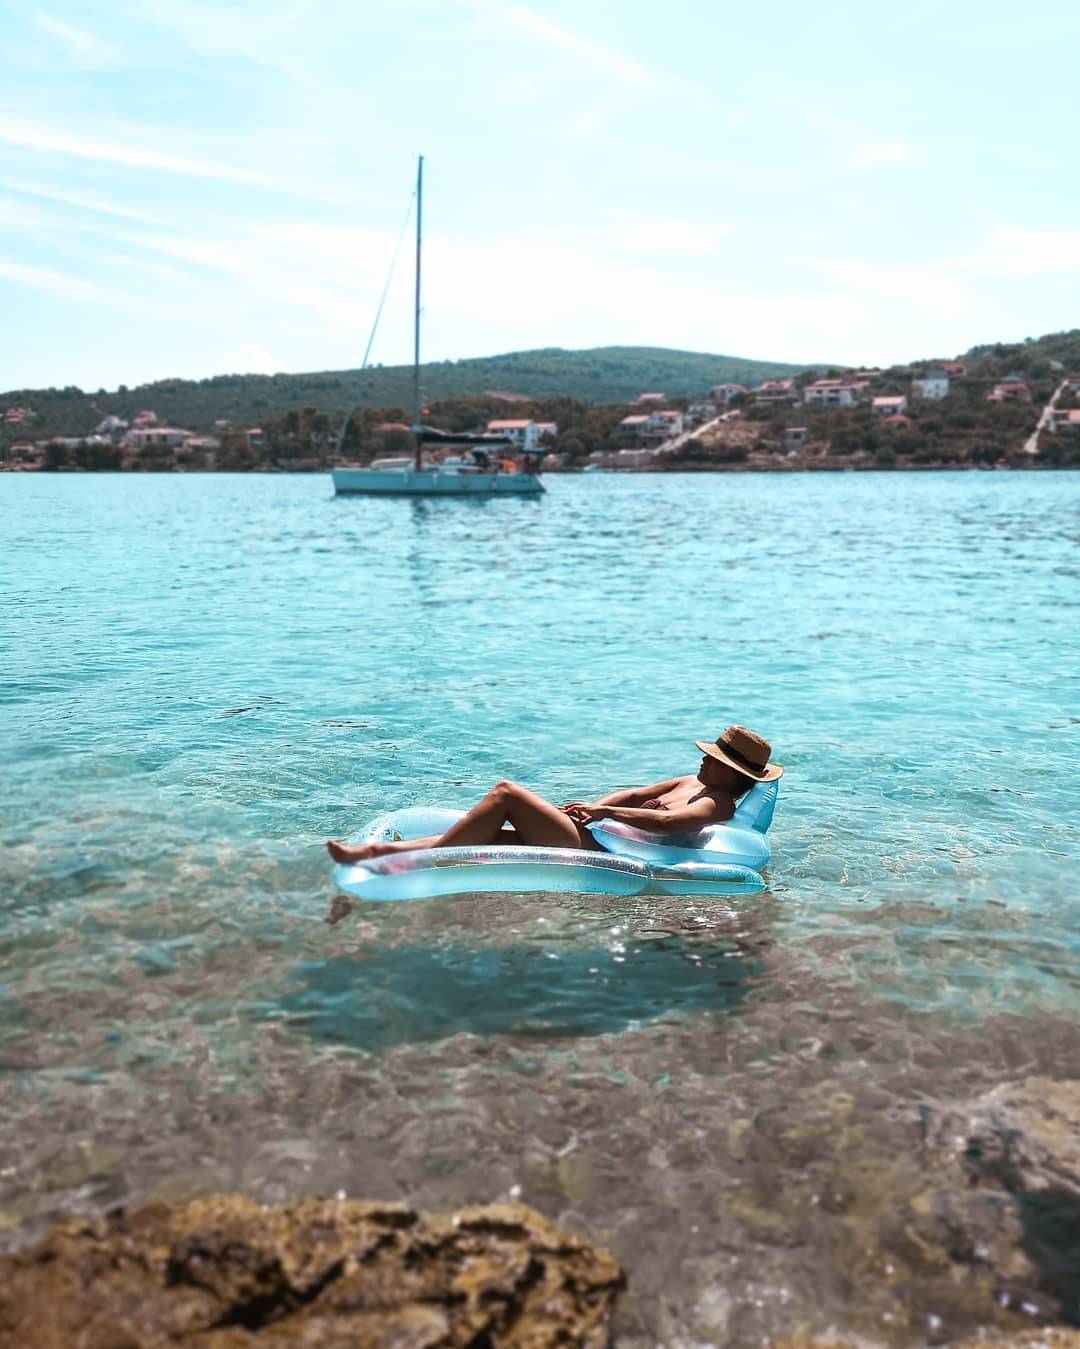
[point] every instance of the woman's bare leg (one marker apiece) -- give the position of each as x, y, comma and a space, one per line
536, 823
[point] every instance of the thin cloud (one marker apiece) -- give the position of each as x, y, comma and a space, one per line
674, 236
222, 257
53, 283
82, 45
33, 137
67, 287
927, 286
522, 19
83, 203
1021, 252
275, 41
882, 153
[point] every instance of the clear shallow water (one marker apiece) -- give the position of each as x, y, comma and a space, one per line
205, 676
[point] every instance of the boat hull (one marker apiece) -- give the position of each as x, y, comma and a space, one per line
432, 482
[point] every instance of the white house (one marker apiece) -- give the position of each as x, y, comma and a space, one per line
830, 393
665, 424
550, 429
724, 393
652, 426
1064, 419
522, 434
934, 384
652, 398
631, 428
890, 407
172, 437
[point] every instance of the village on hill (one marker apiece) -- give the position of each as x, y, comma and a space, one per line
961, 412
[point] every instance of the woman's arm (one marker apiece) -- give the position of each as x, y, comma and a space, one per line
627, 796
685, 819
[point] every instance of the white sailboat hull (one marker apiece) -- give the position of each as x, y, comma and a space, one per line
433, 482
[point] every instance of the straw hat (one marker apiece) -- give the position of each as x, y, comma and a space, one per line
744, 751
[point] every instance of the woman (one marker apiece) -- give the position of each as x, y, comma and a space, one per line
731, 764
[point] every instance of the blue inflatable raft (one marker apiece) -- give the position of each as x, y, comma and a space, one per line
724, 859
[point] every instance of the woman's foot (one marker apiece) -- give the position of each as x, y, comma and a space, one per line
359, 852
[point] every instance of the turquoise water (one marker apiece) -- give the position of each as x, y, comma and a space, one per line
203, 677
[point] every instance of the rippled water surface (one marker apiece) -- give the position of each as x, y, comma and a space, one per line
205, 676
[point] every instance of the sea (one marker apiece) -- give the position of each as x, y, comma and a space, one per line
205, 676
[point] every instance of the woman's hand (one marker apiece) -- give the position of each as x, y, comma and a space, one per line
583, 813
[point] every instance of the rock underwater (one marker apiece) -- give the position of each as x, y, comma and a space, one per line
227, 1273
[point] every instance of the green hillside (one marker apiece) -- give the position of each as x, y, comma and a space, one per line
598, 375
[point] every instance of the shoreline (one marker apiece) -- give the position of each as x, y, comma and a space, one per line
779, 470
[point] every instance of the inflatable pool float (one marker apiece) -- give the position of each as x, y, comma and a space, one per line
740, 842
724, 859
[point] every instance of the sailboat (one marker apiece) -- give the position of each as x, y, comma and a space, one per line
477, 467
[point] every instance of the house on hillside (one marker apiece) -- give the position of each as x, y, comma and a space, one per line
724, 393
630, 428
25, 452
548, 429
1072, 383
16, 416
144, 418
934, 384
1011, 390
522, 432
652, 398
795, 437
1064, 419
955, 369
889, 407
652, 427
112, 426
157, 437
665, 424
829, 393
775, 391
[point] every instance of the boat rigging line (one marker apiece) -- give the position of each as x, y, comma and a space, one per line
378, 315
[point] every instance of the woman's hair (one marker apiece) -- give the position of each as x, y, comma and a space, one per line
744, 785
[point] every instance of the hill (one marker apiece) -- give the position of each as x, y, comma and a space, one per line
972, 424
597, 375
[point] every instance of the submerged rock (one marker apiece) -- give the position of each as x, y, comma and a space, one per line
1019, 1147
227, 1273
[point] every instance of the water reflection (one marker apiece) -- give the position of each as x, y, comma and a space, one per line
375, 1001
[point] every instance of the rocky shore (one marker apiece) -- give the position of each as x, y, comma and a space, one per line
227, 1272
978, 1218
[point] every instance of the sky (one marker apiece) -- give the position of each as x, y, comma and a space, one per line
195, 189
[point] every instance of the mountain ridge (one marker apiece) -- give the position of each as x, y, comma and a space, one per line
612, 374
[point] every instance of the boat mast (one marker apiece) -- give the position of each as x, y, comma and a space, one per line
416, 315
